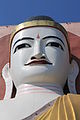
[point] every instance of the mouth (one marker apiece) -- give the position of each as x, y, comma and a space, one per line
38, 62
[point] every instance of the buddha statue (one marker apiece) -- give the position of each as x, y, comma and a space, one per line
40, 65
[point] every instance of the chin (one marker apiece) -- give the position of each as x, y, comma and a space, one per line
37, 77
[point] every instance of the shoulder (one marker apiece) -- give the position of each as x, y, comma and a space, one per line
65, 107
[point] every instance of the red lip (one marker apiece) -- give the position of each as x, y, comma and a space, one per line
36, 62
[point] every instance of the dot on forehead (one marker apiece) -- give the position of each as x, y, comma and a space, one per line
38, 36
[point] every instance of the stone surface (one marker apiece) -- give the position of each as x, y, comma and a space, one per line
5, 31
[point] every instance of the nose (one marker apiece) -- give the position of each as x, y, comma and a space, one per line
38, 56
38, 52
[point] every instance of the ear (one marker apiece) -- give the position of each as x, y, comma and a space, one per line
73, 73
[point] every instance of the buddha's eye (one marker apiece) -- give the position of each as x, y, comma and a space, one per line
54, 44
24, 45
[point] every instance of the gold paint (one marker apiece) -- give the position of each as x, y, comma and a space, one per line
36, 23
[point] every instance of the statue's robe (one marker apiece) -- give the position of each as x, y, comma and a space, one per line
66, 107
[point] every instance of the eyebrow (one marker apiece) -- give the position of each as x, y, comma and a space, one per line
24, 38
53, 37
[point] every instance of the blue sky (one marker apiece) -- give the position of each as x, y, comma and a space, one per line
13, 12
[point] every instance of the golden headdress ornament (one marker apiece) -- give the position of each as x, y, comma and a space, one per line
43, 21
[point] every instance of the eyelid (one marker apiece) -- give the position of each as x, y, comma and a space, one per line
52, 37
21, 46
55, 44
19, 43
56, 41
24, 38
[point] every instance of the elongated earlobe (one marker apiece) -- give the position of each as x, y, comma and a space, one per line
73, 73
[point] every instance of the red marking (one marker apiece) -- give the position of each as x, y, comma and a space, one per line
38, 36
35, 92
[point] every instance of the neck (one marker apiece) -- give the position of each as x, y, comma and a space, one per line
44, 88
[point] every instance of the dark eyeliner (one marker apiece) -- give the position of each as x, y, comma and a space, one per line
54, 44
22, 46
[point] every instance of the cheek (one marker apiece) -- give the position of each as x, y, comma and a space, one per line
20, 57
56, 56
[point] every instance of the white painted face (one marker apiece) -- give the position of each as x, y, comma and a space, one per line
39, 55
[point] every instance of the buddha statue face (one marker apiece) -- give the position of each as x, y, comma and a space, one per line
39, 55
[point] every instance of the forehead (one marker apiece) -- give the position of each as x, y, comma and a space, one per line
42, 31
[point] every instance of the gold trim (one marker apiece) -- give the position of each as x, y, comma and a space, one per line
36, 23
